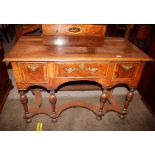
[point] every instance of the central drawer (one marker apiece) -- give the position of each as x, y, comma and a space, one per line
80, 70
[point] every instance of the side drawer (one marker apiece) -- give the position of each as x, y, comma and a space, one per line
33, 72
81, 69
125, 71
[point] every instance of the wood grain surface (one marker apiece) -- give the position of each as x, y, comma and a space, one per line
31, 48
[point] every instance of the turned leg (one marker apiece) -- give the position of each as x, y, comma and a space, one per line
24, 101
129, 97
103, 99
53, 100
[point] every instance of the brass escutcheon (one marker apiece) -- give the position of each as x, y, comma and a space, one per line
115, 75
82, 66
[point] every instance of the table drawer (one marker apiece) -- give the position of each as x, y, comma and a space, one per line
33, 72
81, 70
126, 71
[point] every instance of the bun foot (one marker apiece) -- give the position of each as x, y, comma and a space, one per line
54, 120
28, 120
124, 111
99, 118
121, 116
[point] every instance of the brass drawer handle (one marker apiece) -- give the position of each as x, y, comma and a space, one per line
69, 70
127, 67
93, 69
33, 67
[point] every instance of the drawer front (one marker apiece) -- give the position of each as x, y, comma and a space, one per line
125, 71
74, 29
81, 70
33, 72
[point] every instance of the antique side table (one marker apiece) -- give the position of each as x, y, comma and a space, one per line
106, 63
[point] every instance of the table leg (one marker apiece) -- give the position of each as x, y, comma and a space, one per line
53, 100
24, 101
103, 99
129, 97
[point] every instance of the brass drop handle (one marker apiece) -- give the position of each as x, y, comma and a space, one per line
93, 69
33, 67
69, 70
127, 67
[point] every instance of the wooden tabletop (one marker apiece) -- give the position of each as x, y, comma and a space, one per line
31, 48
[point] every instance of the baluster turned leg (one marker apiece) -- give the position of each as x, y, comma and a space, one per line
103, 99
24, 101
53, 100
129, 97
